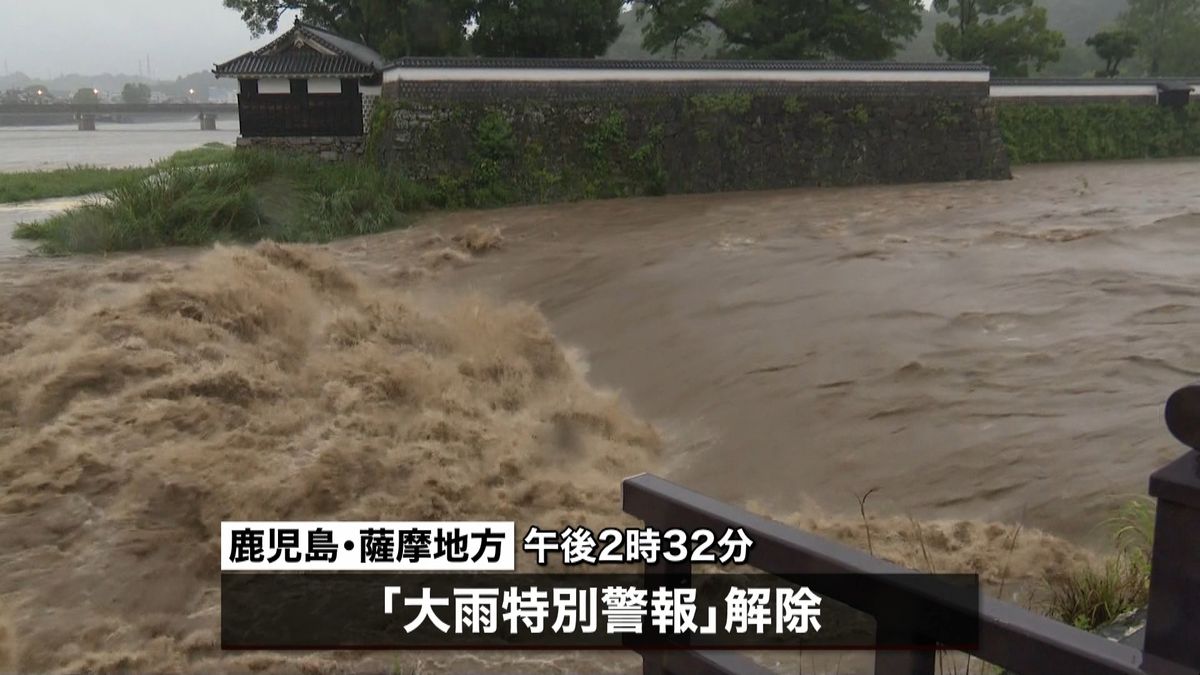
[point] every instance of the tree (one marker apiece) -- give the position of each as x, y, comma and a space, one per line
439, 27
1008, 35
85, 95
784, 29
1114, 46
393, 27
411, 27
1166, 31
262, 16
135, 93
553, 28
628, 44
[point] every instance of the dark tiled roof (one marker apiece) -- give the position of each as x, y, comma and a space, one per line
349, 58
649, 64
350, 48
293, 64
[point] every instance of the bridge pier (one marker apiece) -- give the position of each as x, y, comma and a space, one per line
87, 121
208, 121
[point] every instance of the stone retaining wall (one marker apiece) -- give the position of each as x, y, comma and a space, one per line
548, 141
329, 148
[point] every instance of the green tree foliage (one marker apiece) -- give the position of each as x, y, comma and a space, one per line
783, 29
393, 27
411, 27
564, 28
85, 95
1076, 19
262, 16
1008, 35
628, 44
1167, 32
135, 93
396, 28
1114, 46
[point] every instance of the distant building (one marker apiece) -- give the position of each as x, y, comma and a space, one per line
307, 82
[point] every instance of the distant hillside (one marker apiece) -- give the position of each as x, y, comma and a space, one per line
1077, 19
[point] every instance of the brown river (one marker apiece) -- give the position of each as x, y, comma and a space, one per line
982, 355
994, 351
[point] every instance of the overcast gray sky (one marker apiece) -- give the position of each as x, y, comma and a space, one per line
45, 38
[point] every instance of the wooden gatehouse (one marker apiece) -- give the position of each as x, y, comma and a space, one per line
307, 82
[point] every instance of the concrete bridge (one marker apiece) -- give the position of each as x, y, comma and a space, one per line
85, 114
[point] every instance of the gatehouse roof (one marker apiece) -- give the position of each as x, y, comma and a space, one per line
305, 51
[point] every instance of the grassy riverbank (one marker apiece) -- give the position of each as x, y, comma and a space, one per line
1093, 596
232, 196
81, 180
70, 182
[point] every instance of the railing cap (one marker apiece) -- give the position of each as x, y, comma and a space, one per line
1182, 414
1179, 481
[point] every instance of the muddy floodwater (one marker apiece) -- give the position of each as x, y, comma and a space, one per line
996, 351
110, 145
990, 358
15, 213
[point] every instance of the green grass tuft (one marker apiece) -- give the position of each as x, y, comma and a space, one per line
212, 195
82, 180
70, 182
1089, 597
209, 153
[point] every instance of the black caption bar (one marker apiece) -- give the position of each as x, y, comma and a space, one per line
597, 611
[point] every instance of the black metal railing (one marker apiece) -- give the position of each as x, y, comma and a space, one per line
1013, 638
273, 115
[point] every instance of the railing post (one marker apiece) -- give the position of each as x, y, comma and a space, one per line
661, 512
1172, 632
897, 630
653, 663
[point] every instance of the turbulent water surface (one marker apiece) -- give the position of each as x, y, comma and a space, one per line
13, 214
979, 350
984, 354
